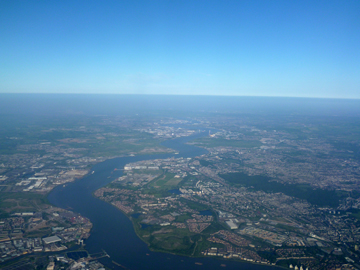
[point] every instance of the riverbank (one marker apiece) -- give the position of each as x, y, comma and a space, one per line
161, 236
114, 232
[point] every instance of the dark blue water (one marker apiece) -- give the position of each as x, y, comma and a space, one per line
175, 191
206, 213
113, 231
77, 255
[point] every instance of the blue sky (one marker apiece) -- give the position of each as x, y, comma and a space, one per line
246, 48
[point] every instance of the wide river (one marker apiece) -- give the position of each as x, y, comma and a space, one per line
113, 232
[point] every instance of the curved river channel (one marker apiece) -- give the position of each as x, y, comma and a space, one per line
113, 232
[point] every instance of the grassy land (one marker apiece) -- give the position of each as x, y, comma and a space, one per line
116, 146
165, 181
175, 240
21, 202
195, 205
302, 191
88, 135
182, 218
167, 239
178, 241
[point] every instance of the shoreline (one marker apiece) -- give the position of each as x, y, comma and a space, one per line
180, 254
109, 168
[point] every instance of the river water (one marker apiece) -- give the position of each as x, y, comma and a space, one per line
113, 232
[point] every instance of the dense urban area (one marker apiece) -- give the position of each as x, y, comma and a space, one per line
271, 190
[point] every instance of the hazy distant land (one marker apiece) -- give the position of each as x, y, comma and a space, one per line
279, 184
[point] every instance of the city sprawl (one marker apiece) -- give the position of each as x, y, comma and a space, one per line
272, 190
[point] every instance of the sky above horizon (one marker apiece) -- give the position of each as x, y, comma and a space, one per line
242, 48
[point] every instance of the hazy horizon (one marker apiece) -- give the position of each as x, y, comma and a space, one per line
173, 94
125, 104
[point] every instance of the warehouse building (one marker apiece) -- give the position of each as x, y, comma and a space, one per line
51, 239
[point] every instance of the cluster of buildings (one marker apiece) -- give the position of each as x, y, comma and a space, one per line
254, 219
272, 218
229, 252
164, 131
32, 232
282, 155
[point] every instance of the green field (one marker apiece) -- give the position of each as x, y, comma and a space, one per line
20, 202
165, 181
178, 240
116, 146
88, 135
171, 239
319, 197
